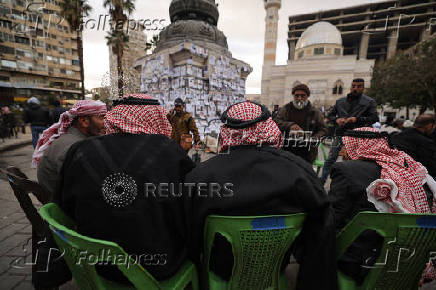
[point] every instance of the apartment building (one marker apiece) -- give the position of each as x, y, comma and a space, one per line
38, 52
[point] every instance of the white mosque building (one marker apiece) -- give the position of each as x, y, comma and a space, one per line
319, 62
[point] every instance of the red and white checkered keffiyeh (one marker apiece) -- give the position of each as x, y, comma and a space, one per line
265, 132
138, 119
81, 108
400, 187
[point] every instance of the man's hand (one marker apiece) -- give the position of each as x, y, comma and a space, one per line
171, 111
351, 120
295, 127
341, 122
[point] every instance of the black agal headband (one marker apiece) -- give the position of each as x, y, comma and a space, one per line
135, 101
241, 124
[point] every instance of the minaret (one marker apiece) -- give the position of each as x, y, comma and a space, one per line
271, 21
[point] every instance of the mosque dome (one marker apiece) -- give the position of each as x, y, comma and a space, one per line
320, 33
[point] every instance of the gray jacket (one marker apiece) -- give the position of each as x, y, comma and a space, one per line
51, 163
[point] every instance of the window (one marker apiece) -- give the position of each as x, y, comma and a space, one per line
63, 71
62, 60
24, 65
75, 62
301, 54
67, 50
70, 73
319, 50
5, 24
6, 37
7, 49
4, 79
337, 51
9, 63
22, 40
338, 88
23, 52
4, 11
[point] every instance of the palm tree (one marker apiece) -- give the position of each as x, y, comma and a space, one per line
117, 39
74, 11
151, 45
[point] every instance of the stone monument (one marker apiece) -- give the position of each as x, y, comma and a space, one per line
192, 61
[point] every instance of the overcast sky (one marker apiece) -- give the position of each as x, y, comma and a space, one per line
242, 21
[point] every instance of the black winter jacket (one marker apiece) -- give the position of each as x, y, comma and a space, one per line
420, 147
364, 109
36, 116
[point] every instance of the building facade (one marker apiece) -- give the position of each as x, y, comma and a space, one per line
38, 52
135, 49
320, 63
372, 31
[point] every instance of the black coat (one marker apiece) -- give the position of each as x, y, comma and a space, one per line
420, 147
148, 225
36, 116
348, 195
56, 113
269, 181
364, 109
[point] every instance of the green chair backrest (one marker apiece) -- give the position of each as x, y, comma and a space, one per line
320, 163
409, 243
259, 244
83, 253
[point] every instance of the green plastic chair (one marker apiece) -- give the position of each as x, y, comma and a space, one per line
259, 244
409, 242
74, 245
320, 163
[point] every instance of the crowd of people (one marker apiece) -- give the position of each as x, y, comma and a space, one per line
100, 165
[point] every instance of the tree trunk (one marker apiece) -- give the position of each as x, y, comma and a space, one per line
407, 113
82, 69
120, 70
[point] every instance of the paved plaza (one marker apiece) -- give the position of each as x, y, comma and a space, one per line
15, 229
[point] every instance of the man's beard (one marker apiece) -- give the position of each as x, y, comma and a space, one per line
93, 129
300, 105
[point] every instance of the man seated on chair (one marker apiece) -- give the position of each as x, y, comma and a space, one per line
84, 120
376, 177
257, 178
105, 187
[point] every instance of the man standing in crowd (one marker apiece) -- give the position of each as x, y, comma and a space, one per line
275, 111
265, 180
38, 117
183, 124
353, 111
84, 120
301, 115
57, 111
418, 142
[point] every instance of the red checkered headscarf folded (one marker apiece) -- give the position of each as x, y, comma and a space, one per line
248, 123
137, 114
400, 187
81, 108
